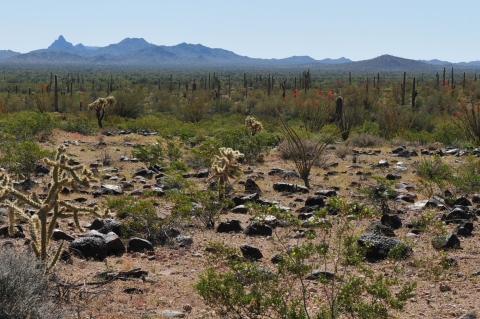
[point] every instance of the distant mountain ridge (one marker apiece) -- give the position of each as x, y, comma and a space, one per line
139, 52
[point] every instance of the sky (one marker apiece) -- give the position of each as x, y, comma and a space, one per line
359, 30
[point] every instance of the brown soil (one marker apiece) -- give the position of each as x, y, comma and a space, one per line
175, 270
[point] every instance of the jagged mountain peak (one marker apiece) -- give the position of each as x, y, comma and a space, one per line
60, 43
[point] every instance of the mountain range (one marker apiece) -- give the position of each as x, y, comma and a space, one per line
138, 52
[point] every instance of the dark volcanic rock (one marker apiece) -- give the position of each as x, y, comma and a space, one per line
139, 245
61, 235
229, 226
326, 192
258, 229
379, 245
251, 252
381, 228
290, 188
393, 221
251, 186
446, 241
316, 200
111, 225
464, 229
115, 245
89, 247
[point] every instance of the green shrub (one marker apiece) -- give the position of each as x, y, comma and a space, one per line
139, 216
150, 154
27, 125
253, 147
20, 156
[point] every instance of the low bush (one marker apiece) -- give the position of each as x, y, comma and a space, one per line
24, 289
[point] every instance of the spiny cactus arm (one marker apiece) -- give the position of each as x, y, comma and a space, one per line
55, 258
34, 246
77, 221
34, 226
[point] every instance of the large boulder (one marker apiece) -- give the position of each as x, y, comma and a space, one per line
111, 225
139, 245
229, 226
115, 245
446, 241
251, 252
258, 229
379, 246
89, 247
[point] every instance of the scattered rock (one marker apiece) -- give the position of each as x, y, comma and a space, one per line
89, 247
251, 252
230, 226
61, 235
184, 241
316, 200
139, 245
446, 241
379, 245
289, 188
393, 221
115, 245
258, 229
240, 209
326, 192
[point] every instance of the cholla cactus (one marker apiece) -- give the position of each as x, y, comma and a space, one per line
254, 125
41, 224
224, 168
99, 106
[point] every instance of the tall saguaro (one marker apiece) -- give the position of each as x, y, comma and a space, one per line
56, 93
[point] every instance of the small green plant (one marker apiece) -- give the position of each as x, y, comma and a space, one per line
139, 217
20, 157
149, 155
434, 173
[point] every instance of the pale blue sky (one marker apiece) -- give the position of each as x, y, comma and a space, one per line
359, 30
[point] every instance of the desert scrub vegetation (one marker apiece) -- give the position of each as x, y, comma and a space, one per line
24, 288
330, 256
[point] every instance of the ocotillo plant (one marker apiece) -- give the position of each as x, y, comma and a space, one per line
414, 94
99, 106
43, 222
402, 86
224, 168
254, 125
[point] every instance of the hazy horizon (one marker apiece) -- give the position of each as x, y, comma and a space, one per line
257, 29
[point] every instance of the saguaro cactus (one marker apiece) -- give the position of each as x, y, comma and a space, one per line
402, 86
414, 94
444, 76
43, 222
56, 93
